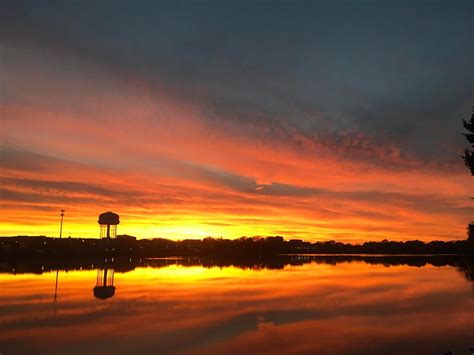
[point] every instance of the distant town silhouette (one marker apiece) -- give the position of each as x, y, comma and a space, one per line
253, 247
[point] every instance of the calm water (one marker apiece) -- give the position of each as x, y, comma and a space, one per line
317, 307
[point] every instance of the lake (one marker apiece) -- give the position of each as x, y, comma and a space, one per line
308, 305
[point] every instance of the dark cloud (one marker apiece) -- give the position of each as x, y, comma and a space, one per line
39, 208
64, 186
400, 74
43, 197
276, 189
14, 159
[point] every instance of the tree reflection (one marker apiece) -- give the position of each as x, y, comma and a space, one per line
106, 270
466, 267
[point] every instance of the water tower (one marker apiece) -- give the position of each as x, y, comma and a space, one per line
108, 225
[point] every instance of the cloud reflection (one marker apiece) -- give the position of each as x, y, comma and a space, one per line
348, 308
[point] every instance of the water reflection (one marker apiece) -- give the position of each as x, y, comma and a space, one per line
310, 304
462, 263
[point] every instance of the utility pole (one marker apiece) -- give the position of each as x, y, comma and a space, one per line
61, 228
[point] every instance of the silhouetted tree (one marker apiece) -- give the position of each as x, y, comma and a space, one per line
470, 238
468, 155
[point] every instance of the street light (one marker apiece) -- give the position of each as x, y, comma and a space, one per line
61, 228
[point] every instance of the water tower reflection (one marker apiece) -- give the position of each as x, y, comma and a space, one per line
104, 287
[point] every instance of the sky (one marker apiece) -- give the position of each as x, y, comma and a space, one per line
314, 120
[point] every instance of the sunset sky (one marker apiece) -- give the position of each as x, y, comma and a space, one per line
309, 119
